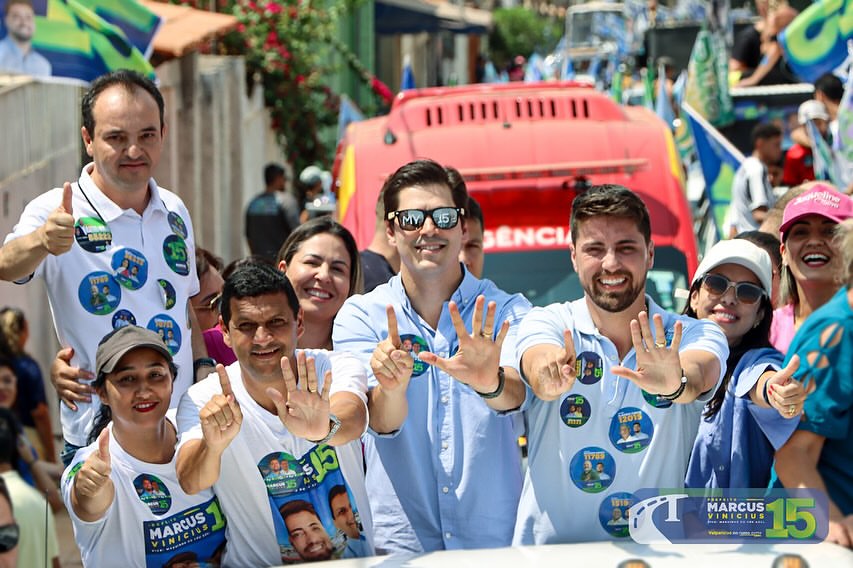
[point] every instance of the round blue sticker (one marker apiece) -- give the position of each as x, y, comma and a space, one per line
122, 318
177, 224
175, 253
282, 474
413, 345
574, 411
99, 293
613, 513
153, 492
589, 367
167, 293
92, 234
631, 430
592, 469
168, 330
131, 268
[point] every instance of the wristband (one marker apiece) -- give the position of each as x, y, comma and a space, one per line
678, 392
497, 392
202, 362
766, 394
334, 426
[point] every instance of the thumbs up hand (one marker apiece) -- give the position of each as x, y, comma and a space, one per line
94, 477
57, 233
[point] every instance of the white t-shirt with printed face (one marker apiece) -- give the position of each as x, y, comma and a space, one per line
568, 496
122, 268
151, 519
266, 467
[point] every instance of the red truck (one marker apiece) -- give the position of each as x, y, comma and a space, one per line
525, 151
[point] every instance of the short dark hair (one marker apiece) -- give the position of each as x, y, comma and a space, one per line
764, 131
272, 172
205, 260
769, 243
296, 506
126, 78
251, 281
831, 86
334, 492
420, 173
325, 225
474, 211
610, 200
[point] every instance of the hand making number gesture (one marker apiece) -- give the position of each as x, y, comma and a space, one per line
391, 364
658, 365
305, 411
221, 417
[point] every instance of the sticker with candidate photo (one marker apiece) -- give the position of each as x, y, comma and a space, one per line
574, 411
99, 293
122, 318
592, 469
656, 400
167, 294
177, 224
631, 430
589, 367
92, 234
168, 330
413, 345
175, 253
282, 473
613, 513
131, 268
153, 492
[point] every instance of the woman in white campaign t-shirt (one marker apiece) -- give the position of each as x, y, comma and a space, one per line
122, 493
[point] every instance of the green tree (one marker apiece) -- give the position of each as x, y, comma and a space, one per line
519, 31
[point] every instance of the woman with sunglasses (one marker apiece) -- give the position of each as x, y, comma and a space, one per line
757, 406
321, 260
122, 493
811, 267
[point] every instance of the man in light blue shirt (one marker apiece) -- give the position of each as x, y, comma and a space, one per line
16, 50
443, 463
649, 368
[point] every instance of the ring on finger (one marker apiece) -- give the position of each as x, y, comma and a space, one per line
485, 333
792, 409
660, 344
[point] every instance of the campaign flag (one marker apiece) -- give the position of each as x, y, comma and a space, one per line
842, 144
616, 85
707, 90
408, 80
648, 77
824, 165
348, 112
816, 41
81, 45
719, 159
138, 23
663, 104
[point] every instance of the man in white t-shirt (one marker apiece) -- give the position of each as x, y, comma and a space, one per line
80, 239
649, 367
752, 194
281, 406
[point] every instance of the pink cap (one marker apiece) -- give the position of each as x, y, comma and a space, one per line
820, 200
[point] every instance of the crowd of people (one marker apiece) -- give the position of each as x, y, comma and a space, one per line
278, 410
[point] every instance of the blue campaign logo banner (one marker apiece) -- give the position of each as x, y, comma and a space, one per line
698, 516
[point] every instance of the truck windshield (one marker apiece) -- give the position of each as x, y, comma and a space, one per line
547, 276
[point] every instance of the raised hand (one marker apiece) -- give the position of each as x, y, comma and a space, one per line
786, 394
66, 379
305, 410
553, 370
94, 476
658, 366
57, 233
221, 417
391, 364
476, 361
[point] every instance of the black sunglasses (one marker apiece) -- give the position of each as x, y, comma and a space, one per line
745, 292
442, 217
9, 535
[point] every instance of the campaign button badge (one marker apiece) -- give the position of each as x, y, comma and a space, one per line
152, 491
122, 318
167, 293
631, 430
175, 253
589, 367
413, 345
168, 330
592, 469
99, 293
613, 513
92, 234
130, 268
574, 411
177, 224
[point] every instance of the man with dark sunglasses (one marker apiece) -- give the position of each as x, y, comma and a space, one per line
654, 371
443, 463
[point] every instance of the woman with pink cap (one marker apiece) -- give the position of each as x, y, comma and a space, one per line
811, 259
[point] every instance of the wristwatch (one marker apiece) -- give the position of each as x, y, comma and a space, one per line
334, 426
202, 362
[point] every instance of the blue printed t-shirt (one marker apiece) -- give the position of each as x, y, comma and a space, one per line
735, 447
450, 478
825, 345
593, 447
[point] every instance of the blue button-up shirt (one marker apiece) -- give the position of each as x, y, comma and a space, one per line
13, 60
450, 478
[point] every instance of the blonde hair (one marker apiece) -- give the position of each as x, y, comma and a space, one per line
12, 326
